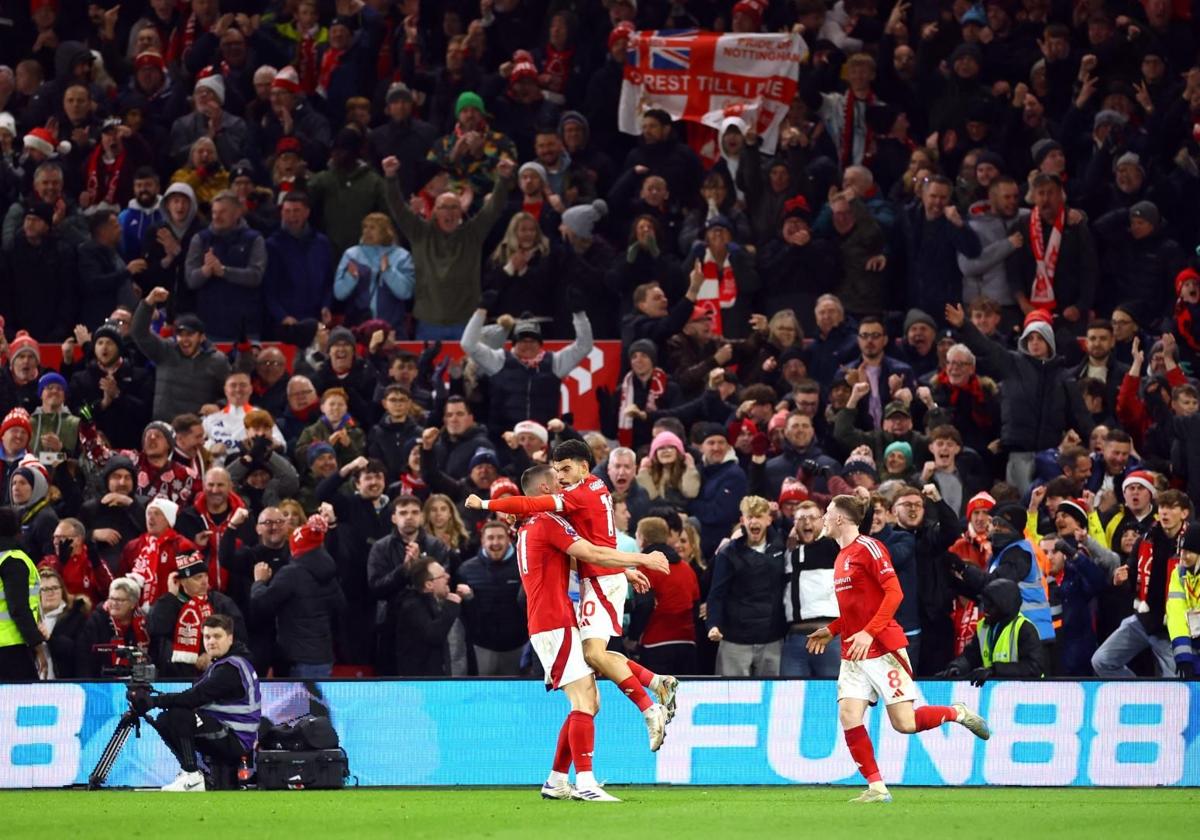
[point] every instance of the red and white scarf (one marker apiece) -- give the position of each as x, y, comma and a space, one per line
720, 285
1045, 256
329, 63
306, 60
849, 115
558, 68
102, 176
655, 388
147, 563
133, 634
187, 646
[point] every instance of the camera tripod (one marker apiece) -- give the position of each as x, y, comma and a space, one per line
131, 721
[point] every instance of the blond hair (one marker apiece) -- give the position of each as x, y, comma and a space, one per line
754, 506
382, 222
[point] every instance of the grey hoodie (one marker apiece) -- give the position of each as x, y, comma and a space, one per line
986, 275
185, 190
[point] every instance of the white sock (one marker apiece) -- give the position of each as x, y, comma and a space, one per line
879, 786
585, 779
556, 779
650, 710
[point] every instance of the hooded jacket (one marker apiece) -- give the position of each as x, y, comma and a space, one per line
721, 490
987, 274
170, 274
342, 199
303, 596
1039, 400
1001, 602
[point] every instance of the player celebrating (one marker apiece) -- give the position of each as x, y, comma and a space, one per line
874, 660
587, 505
545, 545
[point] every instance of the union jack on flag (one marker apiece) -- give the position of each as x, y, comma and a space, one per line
670, 58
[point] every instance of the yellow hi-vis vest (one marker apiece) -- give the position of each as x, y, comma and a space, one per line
10, 634
1004, 648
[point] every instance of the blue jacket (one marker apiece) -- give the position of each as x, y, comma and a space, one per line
299, 276
380, 294
902, 545
135, 221
825, 356
716, 507
931, 252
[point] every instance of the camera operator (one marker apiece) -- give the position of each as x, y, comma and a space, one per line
218, 716
176, 619
22, 646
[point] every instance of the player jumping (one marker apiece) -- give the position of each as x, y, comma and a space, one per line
874, 659
545, 545
587, 505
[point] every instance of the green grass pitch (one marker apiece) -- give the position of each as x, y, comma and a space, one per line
701, 813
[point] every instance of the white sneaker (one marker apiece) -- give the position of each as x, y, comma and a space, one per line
656, 725
664, 688
871, 795
593, 794
972, 722
562, 791
186, 782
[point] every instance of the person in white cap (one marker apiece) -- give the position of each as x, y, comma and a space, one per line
210, 119
290, 115
151, 558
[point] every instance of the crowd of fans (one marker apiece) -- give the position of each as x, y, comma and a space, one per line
963, 286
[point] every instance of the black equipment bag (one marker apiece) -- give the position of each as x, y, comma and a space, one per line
307, 732
302, 770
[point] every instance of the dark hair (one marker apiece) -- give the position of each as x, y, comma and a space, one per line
99, 219
458, 398
658, 229
1070, 457
418, 573
1061, 487
374, 467
1118, 436
220, 620
946, 431
939, 179
404, 500
143, 173
403, 356
760, 393
669, 515
1100, 324
807, 386
1174, 498
641, 292
297, 196
1092, 387
10, 522
493, 523
183, 422
671, 424
658, 115
573, 450
397, 388
873, 319
533, 475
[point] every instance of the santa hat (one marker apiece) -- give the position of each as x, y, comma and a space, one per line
1184, 276
534, 428
309, 536
8, 123
43, 141
792, 490
502, 487
149, 58
166, 507
22, 343
1144, 478
209, 79
1076, 508
287, 79
622, 30
980, 501
18, 418
523, 70
749, 7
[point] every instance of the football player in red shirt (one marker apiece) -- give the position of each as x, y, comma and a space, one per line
874, 660
585, 501
546, 544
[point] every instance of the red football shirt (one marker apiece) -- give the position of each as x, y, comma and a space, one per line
589, 507
545, 568
863, 577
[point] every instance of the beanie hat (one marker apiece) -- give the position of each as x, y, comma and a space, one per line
1013, 513
41, 210
720, 221
859, 466
1147, 211
990, 157
1191, 539
309, 536
8, 123
22, 343
622, 30
318, 449
751, 8
975, 15
149, 58
792, 490
468, 99
287, 144
1075, 508
163, 428
341, 335
1144, 478
33, 471
797, 208
17, 418
644, 345
664, 439
703, 431
43, 141
1108, 117
191, 564
287, 79
582, 218
107, 330
399, 92
503, 487
51, 378
901, 446
1129, 159
1043, 147
1184, 276
573, 117
980, 501
524, 69
970, 51
918, 316
534, 428
778, 420
214, 83
534, 166
483, 455
166, 507
1042, 328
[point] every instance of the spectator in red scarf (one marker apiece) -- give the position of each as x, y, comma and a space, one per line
158, 473
964, 400
83, 571
175, 620
206, 521
109, 170
646, 389
150, 559
117, 622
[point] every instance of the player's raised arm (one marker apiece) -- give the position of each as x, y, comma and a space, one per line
613, 559
517, 505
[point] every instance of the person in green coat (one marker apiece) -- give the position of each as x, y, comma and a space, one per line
346, 192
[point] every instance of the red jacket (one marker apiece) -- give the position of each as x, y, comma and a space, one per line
1131, 411
218, 575
675, 597
82, 575
154, 568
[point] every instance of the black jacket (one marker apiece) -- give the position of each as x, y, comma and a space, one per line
387, 574
122, 422
746, 597
422, 625
223, 684
64, 640
1031, 662
494, 617
359, 526
387, 441
160, 624
304, 596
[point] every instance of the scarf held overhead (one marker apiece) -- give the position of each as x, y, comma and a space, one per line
655, 388
1045, 256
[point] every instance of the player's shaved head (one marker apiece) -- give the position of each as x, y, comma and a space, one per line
533, 478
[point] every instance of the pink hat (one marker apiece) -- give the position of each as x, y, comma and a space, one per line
665, 439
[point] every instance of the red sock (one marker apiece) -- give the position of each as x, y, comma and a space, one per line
931, 717
644, 675
582, 735
562, 754
632, 689
863, 753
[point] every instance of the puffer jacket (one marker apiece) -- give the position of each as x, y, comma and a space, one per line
303, 596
